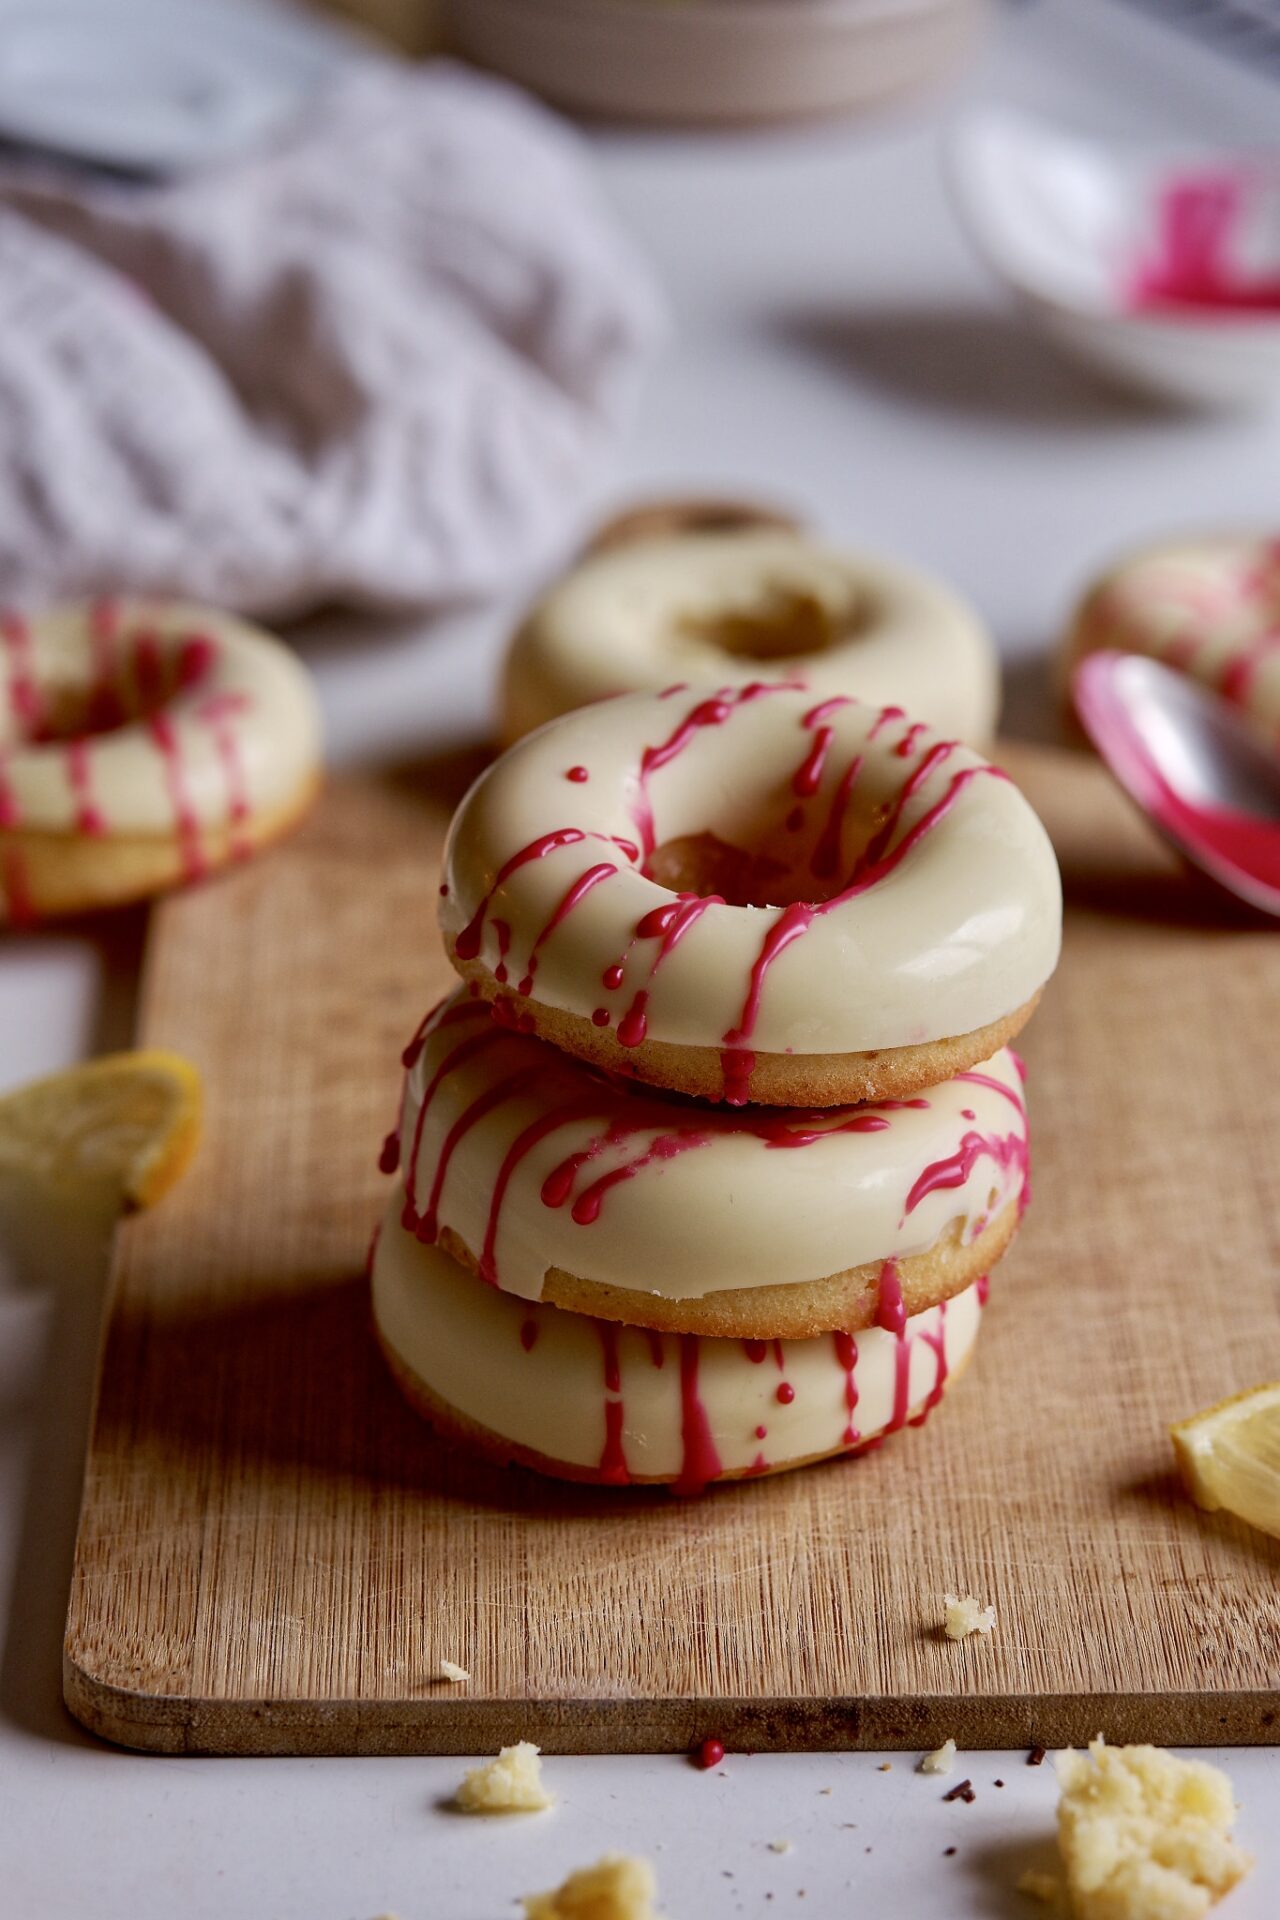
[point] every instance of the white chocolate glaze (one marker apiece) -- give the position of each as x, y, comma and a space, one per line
1209, 607
635, 618
918, 895
535, 1160
148, 717
614, 1403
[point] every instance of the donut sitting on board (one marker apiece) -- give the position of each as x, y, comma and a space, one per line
143, 744
709, 592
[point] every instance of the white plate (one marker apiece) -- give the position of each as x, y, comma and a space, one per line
157, 85
1088, 235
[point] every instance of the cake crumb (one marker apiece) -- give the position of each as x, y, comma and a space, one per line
510, 1784
1040, 1886
886, 1766
779, 1846
941, 1760
450, 1670
1142, 1833
619, 1887
965, 1615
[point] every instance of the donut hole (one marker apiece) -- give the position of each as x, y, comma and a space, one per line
778, 623
756, 837
704, 864
136, 677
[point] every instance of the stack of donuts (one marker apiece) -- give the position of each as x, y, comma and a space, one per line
704, 1164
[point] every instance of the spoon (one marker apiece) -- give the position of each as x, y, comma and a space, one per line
1195, 767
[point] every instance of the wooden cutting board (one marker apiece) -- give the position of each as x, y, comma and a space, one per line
274, 1554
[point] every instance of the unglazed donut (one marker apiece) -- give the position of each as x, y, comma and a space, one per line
1209, 606
142, 744
558, 1183
586, 1399
727, 607
754, 895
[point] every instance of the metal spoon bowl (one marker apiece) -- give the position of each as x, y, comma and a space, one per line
1193, 764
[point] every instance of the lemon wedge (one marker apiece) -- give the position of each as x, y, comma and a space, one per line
128, 1123
1229, 1456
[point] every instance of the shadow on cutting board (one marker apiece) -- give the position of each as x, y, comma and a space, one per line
296, 1375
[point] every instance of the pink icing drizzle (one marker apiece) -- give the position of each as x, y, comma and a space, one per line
885, 718
891, 1312
714, 712
661, 1133
24, 694
1007, 1150
613, 1460
936, 1338
219, 715
795, 920
89, 818
467, 944
701, 1461
825, 858
165, 735
846, 1349
571, 898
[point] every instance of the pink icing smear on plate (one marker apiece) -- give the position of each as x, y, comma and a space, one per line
1198, 256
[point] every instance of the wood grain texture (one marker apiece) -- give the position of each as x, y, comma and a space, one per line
274, 1554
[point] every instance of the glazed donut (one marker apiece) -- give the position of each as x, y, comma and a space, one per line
753, 895
1210, 607
558, 1183
727, 607
586, 1399
143, 744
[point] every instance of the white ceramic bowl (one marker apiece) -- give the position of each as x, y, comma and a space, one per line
698, 61
1158, 267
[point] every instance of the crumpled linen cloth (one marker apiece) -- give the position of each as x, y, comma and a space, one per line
369, 365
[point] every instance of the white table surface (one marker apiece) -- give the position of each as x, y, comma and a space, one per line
835, 347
